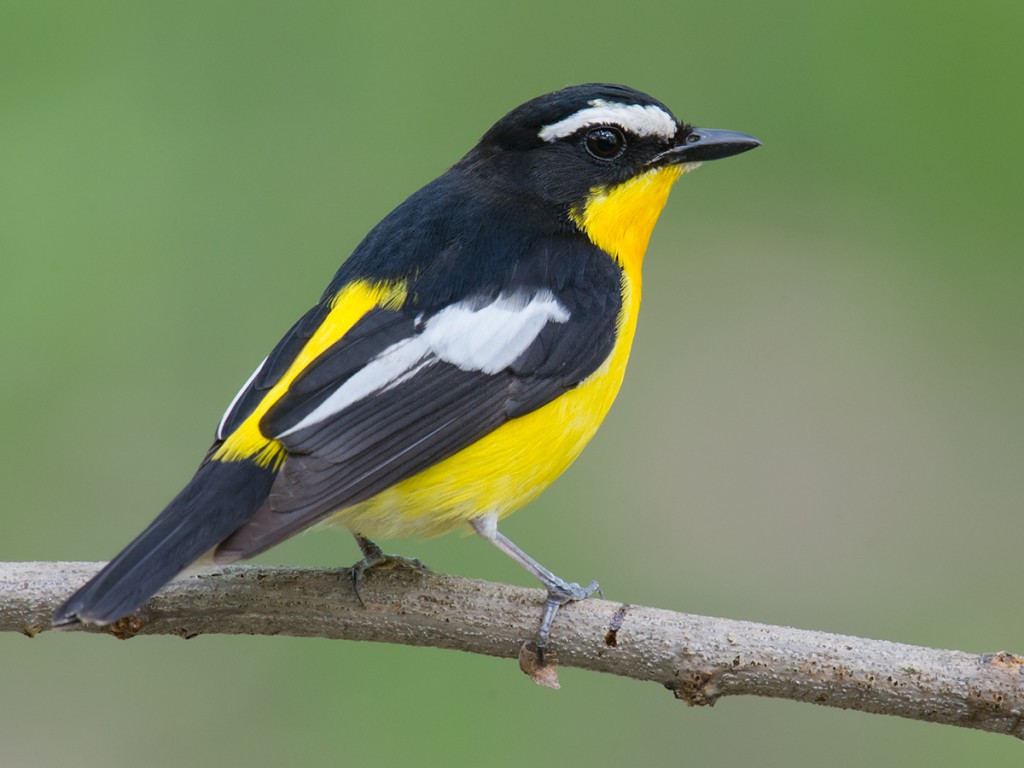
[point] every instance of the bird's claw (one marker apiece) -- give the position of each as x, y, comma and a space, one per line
377, 560
559, 594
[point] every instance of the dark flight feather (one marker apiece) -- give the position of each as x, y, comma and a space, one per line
220, 498
392, 434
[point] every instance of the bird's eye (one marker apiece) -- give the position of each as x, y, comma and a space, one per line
605, 143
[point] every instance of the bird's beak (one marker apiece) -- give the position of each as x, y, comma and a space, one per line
706, 144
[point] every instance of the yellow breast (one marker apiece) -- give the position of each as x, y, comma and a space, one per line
509, 467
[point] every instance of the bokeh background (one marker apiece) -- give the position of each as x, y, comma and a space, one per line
821, 425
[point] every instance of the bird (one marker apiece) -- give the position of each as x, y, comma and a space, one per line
457, 363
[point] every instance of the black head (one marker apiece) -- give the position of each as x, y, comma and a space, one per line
565, 145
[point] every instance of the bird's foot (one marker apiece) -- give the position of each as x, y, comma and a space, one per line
560, 593
374, 557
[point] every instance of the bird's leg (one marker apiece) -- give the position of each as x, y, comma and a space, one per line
560, 592
373, 557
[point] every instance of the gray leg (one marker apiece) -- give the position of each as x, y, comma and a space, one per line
559, 592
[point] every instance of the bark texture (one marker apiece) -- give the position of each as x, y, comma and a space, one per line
698, 658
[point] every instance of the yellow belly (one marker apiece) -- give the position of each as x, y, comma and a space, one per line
507, 468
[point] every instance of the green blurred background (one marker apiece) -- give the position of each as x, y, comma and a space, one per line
821, 425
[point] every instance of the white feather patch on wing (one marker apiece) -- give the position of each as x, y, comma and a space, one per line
491, 337
236, 398
647, 120
470, 335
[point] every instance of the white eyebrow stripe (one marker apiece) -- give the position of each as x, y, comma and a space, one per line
471, 336
646, 120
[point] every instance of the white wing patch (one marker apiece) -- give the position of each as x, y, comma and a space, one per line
640, 120
491, 337
470, 335
234, 401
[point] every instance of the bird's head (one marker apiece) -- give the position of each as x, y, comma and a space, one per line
604, 156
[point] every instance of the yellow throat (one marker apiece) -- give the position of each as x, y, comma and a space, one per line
619, 220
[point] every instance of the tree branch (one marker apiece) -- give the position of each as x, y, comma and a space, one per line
699, 659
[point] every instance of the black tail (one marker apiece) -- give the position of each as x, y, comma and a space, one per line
220, 498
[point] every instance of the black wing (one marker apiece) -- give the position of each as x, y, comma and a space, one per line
271, 370
403, 390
